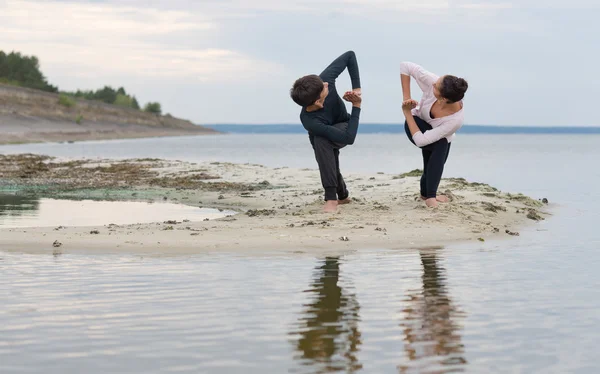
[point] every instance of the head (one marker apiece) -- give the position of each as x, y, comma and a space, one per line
309, 90
450, 88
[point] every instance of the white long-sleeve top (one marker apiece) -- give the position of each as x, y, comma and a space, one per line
443, 127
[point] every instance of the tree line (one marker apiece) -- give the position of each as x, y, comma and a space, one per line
24, 71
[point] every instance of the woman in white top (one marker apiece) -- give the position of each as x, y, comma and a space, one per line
431, 123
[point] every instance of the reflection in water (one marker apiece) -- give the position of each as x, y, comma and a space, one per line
20, 211
14, 205
328, 335
432, 333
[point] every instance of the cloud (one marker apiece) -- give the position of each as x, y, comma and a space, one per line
199, 58
225, 9
492, 6
49, 19
91, 39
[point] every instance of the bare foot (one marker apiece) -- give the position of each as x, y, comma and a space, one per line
330, 206
432, 202
442, 198
345, 201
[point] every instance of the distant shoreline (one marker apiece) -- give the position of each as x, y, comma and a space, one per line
368, 128
19, 131
33, 116
47, 131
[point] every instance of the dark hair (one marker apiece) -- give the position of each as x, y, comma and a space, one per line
307, 90
453, 88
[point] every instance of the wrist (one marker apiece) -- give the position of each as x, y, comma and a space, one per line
356, 105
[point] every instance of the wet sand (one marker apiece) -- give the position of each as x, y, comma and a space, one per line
280, 209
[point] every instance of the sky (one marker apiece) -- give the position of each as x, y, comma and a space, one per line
528, 62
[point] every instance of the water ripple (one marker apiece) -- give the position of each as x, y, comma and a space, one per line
393, 311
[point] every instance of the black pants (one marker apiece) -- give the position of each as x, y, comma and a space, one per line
434, 158
327, 154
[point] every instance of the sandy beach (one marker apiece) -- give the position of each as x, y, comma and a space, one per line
23, 129
279, 209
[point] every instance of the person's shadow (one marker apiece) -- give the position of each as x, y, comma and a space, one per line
431, 324
327, 336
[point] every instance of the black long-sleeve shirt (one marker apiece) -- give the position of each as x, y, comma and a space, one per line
320, 122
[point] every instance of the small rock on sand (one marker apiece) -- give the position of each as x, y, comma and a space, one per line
512, 233
532, 214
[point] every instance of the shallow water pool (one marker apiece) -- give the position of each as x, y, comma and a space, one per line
21, 211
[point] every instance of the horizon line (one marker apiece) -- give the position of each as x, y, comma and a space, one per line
402, 124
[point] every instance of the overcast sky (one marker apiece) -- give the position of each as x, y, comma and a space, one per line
528, 62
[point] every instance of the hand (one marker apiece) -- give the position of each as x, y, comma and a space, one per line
408, 105
353, 97
356, 91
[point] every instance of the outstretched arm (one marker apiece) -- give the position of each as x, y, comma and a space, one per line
347, 60
334, 134
431, 136
424, 78
405, 80
422, 139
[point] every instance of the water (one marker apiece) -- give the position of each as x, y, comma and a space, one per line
24, 211
373, 128
382, 311
525, 305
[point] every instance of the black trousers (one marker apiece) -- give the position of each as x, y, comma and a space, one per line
327, 154
434, 158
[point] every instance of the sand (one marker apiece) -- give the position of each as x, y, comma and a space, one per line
17, 129
279, 209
